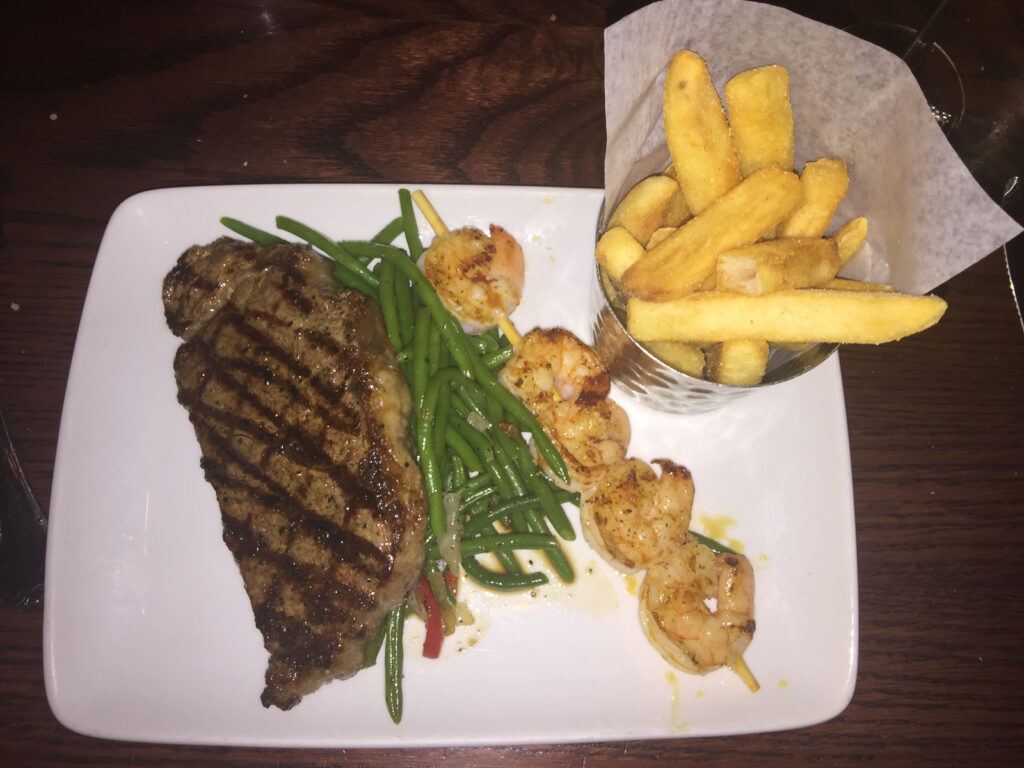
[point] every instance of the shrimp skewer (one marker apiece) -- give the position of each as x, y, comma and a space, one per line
634, 518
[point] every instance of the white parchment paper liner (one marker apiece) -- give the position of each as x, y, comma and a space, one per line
928, 219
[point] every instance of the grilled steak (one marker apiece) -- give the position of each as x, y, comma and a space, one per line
302, 416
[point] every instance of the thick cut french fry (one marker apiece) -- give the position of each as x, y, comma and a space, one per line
739, 362
842, 284
640, 211
697, 132
777, 265
849, 238
806, 314
761, 118
824, 183
617, 250
659, 234
676, 210
688, 358
683, 260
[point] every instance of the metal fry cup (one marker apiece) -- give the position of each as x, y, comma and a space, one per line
658, 385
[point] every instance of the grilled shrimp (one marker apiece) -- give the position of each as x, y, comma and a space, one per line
479, 279
590, 437
552, 364
677, 620
632, 517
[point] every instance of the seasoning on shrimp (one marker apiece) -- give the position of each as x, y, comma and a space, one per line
552, 364
479, 279
634, 518
677, 621
589, 436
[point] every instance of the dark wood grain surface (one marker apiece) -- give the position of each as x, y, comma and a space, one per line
104, 99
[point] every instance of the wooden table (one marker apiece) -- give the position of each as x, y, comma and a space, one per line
104, 99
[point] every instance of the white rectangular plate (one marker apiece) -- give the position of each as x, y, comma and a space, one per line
148, 633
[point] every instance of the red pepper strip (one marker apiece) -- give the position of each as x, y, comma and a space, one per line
435, 632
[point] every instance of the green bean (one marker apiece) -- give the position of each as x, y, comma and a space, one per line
425, 443
472, 497
498, 542
478, 545
520, 415
361, 250
482, 446
420, 369
478, 506
552, 509
444, 399
475, 484
450, 330
505, 452
561, 495
505, 582
412, 230
506, 558
482, 343
332, 249
372, 649
258, 236
471, 395
387, 303
434, 347
347, 279
481, 521
390, 231
454, 470
406, 306
555, 555
498, 358
716, 547
393, 663
462, 449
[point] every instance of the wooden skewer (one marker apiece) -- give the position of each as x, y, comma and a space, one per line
739, 666
428, 210
438, 225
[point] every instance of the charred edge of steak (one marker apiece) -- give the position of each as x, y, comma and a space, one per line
302, 416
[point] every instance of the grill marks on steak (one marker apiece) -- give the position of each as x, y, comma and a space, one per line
302, 415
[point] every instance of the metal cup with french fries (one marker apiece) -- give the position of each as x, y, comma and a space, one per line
720, 275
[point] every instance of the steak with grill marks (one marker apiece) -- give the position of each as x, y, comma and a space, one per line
302, 416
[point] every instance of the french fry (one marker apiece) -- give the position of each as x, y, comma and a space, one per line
824, 183
738, 362
640, 211
617, 250
761, 118
776, 265
659, 234
688, 358
683, 260
697, 132
676, 210
849, 238
806, 314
